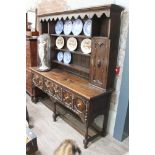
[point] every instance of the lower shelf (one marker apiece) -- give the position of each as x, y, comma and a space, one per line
67, 116
73, 66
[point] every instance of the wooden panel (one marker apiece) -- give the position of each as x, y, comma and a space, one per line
28, 82
99, 61
31, 60
44, 28
33, 53
28, 58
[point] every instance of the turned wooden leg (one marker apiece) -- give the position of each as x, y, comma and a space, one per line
34, 97
54, 112
106, 114
85, 141
105, 122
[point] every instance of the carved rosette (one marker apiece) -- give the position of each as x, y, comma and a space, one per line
79, 105
81, 108
37, 81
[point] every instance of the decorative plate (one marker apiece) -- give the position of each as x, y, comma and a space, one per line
87, 27
60, 56
86, 46
77, 27
71, 44
59, 27
67, 57
60, 42
67, 27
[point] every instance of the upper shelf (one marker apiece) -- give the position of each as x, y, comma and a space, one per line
74, 52
63, 35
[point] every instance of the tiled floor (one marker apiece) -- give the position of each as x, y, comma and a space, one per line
50, 134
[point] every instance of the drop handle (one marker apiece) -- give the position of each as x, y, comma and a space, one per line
66, 98
98, 63
56, 91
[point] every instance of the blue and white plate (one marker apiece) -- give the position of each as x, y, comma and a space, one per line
67, 57
87, 27
59, 27
77, 27
60, 56
67, 27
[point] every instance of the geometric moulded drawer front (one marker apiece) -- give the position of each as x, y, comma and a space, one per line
37, 80
67, 98
48, 87
57, 91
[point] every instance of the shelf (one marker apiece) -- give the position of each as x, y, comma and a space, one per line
63, 35
74, 52
73, 66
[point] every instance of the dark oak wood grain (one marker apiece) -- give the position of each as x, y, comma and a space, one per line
99, 61
31, 60
72, 82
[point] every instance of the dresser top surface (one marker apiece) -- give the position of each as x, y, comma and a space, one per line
72, 82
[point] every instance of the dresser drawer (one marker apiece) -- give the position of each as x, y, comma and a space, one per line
48, 87
67, 98
57, 91
37, 80
79, 104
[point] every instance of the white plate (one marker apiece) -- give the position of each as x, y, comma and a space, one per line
86, 46
60, 56
71, 44
67, 57
77, 27
67, 27
87, 27
60, 42
59, 27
